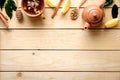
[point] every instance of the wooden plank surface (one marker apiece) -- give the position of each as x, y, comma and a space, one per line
60, 39
59, 49
60, 60
59, 76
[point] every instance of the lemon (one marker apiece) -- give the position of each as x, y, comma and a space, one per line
50, 3
66, 6
112, 23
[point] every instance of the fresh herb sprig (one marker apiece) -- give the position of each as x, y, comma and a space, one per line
114, 11
9, 5
108, 2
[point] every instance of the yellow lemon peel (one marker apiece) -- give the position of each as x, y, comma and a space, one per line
112, 23
49, 3
66, 6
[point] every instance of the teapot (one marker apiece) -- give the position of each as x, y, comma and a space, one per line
93, 15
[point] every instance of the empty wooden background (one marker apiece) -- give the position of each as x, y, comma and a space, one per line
58, 49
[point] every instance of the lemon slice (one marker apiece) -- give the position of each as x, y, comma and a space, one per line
112, 23
51, 3
66, 6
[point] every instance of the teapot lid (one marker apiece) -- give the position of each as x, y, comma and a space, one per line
93, 14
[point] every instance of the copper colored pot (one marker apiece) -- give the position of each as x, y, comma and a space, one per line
93, 15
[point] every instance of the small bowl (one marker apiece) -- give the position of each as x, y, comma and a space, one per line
33, 8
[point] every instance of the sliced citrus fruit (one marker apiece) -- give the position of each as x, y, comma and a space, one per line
52, 3
49, 3
66, 6
112, 23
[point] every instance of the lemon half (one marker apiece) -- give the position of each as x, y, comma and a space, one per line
66, 6
112, 23
51, 3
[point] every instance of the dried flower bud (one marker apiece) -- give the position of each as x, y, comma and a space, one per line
19, 14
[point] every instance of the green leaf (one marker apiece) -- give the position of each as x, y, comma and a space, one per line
8, 10
108, 2
13, 5
114, 11
2, 2
9, 7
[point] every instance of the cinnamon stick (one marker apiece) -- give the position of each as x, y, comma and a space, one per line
56, 9
83, 1
3, 15
4, 21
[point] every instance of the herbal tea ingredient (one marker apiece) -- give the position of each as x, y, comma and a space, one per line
2, 2
66, 6
9, 5
4, 19
3, 15
108, 2
56, 9
115, 21
49, 3
19, 14
75, 12
112, 23
32, 6
114, 11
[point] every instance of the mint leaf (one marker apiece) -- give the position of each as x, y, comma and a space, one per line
114, 11
8, 10
9, 7
2, 2
13, 5
108, 2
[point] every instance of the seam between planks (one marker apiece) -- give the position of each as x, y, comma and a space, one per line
58, 29
61, 71
59, 49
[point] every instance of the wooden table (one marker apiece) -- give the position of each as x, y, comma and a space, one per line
58, 49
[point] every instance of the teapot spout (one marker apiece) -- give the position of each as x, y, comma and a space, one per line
87, 25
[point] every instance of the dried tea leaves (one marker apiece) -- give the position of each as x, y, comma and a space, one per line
74, 14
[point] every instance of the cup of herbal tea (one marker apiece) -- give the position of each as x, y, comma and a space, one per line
33, 8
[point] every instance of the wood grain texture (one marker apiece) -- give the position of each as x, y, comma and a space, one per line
0, 39
60, 39
60, 61
59, 49
59, 76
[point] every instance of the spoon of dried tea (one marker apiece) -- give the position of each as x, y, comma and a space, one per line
19, 14
75, 12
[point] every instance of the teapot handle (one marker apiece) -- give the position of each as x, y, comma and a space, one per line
102, 3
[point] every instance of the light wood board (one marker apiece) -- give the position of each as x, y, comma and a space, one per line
59, 76
60, 60
58, 49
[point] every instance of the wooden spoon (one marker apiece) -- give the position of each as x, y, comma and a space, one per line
75, 12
